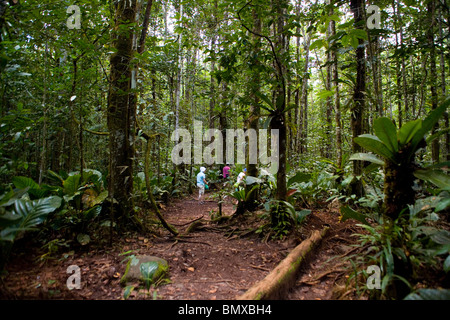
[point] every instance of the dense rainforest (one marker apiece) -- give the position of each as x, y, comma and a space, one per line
335, 112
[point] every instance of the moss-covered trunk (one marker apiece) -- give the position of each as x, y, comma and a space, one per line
121, 116
282, 278
251, 202
356, 121
398, 192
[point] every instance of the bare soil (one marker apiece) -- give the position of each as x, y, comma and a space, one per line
217, 261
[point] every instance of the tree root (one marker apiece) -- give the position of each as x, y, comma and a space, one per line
189, 241
277, 282
184, 224
194, 226
317, 279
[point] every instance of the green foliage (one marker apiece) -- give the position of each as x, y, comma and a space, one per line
25, 215
241, 194
20, 214
153, 273
29, 205
310, 188
410, 239
349, 213
429, 294
390, 142
52, 247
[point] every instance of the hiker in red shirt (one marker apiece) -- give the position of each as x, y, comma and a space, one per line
226, 172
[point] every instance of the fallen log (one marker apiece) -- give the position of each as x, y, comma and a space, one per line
278, 281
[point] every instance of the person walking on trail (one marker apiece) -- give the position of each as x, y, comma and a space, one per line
241, 175
240, 178
201, 183
226, 171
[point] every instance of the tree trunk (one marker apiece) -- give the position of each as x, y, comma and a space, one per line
396, 9
298, 110
329, 103
376, 72
43, 157
279, 119
359, 99
252, 168
444, 91
304, 96
398, 183
212, 101
337, 103
121, 115
178, 92
431, 8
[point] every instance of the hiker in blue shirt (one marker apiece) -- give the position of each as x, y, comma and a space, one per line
201, 183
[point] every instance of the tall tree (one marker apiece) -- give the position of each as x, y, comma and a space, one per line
337, 98
252, 168
443, 84
278, 121
357, 109
121, 115
431, 9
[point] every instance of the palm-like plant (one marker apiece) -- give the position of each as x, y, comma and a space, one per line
396, 150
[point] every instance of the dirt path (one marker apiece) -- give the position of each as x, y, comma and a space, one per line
212, 264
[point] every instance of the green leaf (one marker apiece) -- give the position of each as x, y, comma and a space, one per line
442, 205
55, 176
325, 94
247, 196
429, 294
148, 271
366, 157
374, 144
71, 184
428, 123
290, 107
408, 130
441, 237
359, 33
92, 212
10, 197
349, 213
100, 198
301, 215
127, 292
317, 44
354, 42
447, 264
24, 182
83, 239
436, 135
387, 132
9, 219
264, 98
252, 180
31, 214
436, 177
299, 178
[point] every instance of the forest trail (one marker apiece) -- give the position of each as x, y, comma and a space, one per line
213, 262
